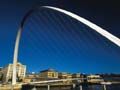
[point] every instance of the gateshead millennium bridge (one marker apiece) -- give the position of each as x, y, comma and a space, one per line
93, 26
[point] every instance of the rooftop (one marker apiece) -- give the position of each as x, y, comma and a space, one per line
49, 70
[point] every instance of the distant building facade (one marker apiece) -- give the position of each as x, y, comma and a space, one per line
48, 74
8, 71
65, 75
31, 77
77, 75
62, 75
94, 78
1, 73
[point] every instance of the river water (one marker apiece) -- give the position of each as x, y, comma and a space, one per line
88, 87
100, 87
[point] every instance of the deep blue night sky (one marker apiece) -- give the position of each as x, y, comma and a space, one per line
54, 40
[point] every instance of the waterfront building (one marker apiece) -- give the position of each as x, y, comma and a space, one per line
30, 77
1, 73
77, 75
94, 78
48, 74
8, 71
62, 75
65, 75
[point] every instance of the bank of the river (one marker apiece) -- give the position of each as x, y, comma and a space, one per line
9, 87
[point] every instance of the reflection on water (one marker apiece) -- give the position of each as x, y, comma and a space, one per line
92, 87
114, 87
100, 87
85, 87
